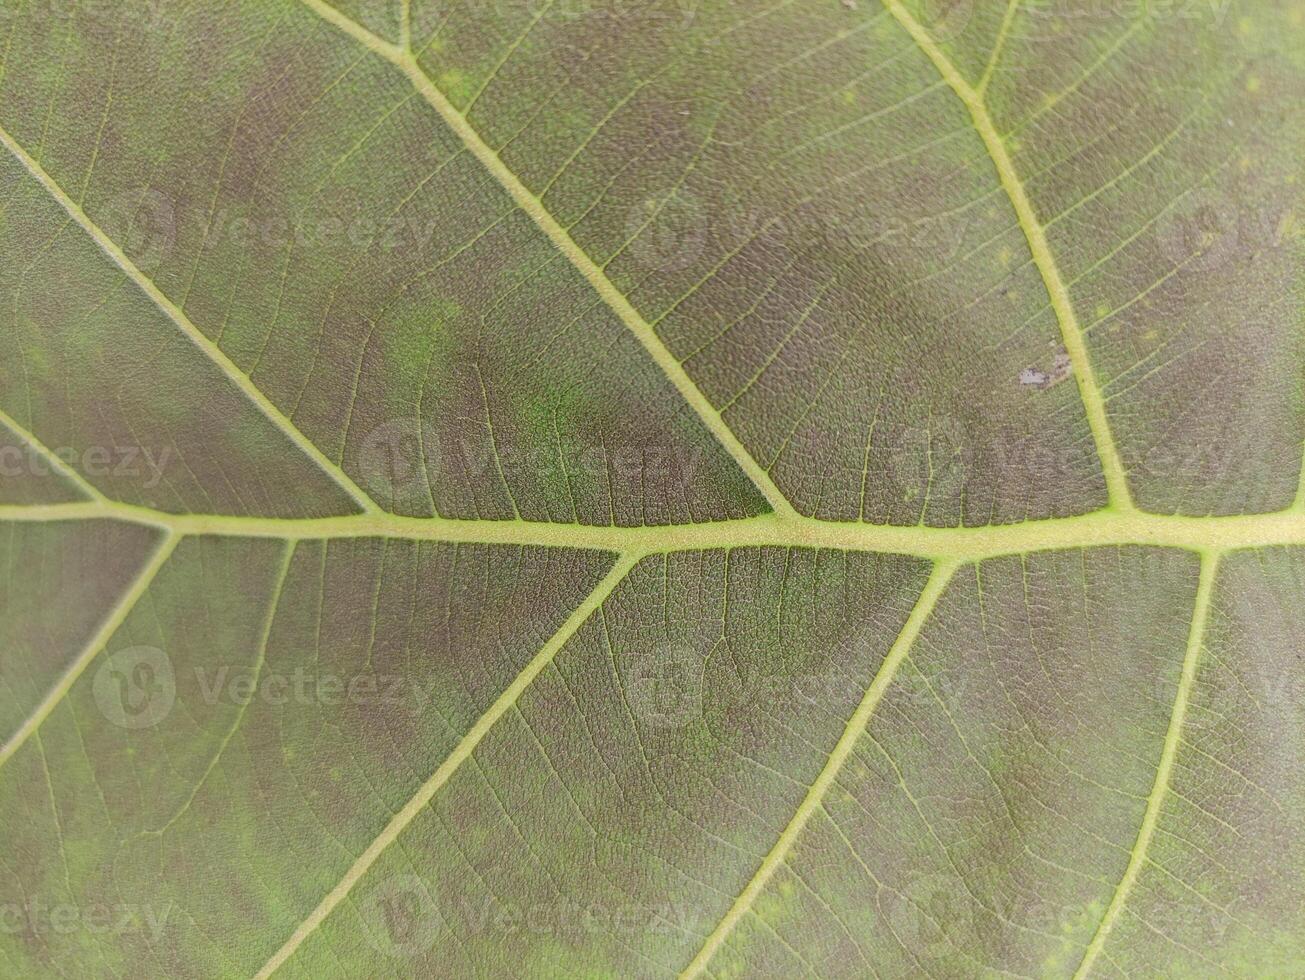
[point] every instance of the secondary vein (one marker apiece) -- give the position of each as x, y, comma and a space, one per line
993, 59
1299, 502
562, 240
56, 464
196, 336
506, 701
116, 617
1094, 405
856, 725
1164, 771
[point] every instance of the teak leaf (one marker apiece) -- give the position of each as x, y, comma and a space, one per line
563, 488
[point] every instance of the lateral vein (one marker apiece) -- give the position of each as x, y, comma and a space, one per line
449, 766
1094, 406
856, 725
994, 59
116, 617
562, 240
196, 336
52, 459
1164, 771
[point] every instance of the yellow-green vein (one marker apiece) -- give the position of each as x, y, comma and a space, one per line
269, 617
196, 336
1299, 502
1094, 406
1002, 33
464, 748
52, 459
561, 239
1102, 528
1173, 736
924, 605
116, 617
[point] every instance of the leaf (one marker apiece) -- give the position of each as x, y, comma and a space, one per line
678, 489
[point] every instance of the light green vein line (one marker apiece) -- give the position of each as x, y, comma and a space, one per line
52, 459
116, 617
1102, 528
924, 605
196, 336
1094, 405
269, 618
423, 796
1003, 32
1195, 638
388, 51
1299, 502
558, 235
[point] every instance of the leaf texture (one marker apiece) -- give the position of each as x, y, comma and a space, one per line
685, 488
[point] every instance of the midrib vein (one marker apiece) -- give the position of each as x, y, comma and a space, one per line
446, 769
1103, 528
1094, 405
1160, 788
174, 313
116, 617
856, 725
528, 202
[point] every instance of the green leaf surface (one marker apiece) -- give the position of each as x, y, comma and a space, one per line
681, 488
